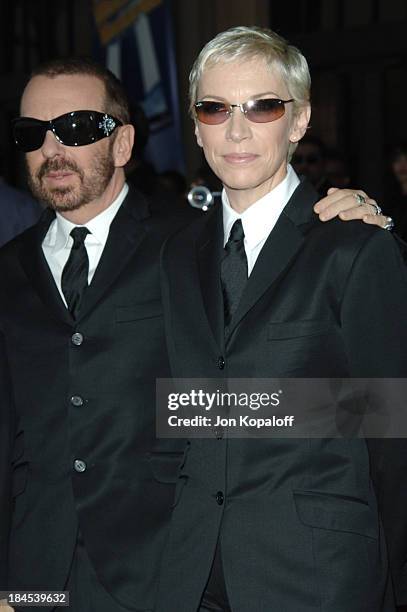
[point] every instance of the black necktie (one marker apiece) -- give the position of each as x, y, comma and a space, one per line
75, 273
233, 271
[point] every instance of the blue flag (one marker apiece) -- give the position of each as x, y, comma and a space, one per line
135, 41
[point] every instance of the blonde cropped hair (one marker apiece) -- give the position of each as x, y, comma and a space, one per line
247, 43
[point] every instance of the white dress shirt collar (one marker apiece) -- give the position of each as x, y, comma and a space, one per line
59, 238
260, 218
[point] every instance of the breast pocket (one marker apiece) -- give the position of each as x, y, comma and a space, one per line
137, 312
300, 348
297, 329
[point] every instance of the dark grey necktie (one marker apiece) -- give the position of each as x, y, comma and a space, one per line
75, 273
233, 271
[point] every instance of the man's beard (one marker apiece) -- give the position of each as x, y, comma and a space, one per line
69, 198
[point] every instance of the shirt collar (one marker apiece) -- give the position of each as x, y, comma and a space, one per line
98, 227
260, 218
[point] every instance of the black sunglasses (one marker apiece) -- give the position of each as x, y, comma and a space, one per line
74, 129
258, 111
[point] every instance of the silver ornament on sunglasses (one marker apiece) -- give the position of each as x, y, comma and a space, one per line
107, 124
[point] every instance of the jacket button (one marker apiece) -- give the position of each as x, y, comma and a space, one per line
76, 400
221, 363
77, 339
79, 465
219, 498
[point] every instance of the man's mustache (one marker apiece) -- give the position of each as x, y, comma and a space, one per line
57, 165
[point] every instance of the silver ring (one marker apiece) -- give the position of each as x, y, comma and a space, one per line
360, 199
378, 210
389, 224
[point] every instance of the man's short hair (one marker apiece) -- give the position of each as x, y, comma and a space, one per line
246, 43
116, 102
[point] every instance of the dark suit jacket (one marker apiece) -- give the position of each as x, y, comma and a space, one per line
88, 397
299, 527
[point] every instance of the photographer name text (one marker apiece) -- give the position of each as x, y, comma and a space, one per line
231, 422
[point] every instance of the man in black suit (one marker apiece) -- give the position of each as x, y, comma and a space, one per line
258, 288
91, 486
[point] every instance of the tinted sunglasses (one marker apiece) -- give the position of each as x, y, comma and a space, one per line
74, 129
258, 111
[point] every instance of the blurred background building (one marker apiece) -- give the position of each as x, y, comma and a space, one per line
357, 52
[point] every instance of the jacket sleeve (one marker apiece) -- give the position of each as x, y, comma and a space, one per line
374, 310
374, 317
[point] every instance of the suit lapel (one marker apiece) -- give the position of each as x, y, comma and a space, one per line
125, 236
209, 249
37, 270
282, 245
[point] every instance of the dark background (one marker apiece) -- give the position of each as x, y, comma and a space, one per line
357, 50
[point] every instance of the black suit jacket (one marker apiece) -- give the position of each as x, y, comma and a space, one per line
89, 397
297, 520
